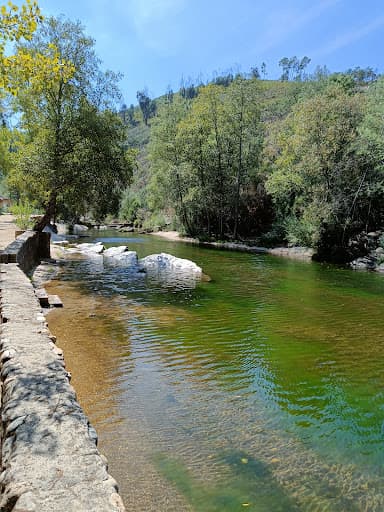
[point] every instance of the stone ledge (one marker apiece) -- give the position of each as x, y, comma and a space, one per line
27, 250
49, 459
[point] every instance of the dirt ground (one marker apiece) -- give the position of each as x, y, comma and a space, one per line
7, 230
173, 236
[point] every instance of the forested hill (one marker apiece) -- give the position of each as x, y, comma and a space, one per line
298, 161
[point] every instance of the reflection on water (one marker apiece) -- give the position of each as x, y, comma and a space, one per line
261, 389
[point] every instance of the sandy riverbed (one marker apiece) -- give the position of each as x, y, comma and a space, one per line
301, 253
174, 236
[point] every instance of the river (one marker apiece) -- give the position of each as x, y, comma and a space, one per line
259, 390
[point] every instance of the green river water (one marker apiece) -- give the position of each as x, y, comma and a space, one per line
260, 390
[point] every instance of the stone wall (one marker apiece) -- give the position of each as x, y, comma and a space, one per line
49, 458
27, 250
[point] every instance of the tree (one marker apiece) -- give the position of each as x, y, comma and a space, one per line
189, 92
371, 146
204, 145
169, 176
17, 25
7, 155
293, 68
147, 106
169, 94
128, 115
255, 73
75, 156
319, 178
245, 132
17, 67
264, 70
205, 153
363, 76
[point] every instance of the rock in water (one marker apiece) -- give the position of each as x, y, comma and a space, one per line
79, 228
96, 248
167, 262
115, 251
126, 258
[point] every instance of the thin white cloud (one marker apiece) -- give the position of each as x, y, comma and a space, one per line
283, 23
147, 11
155, 23
349, 37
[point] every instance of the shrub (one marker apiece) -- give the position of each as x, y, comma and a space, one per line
23, 211
129, 206
300, 232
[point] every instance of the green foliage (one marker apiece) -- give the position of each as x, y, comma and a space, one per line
275, 236
300, 232
205, 156
7, 145
147, 106
317, 171
130, 204
138, 136
297, 161
74, 161
128, 115
155, 222
22, 212
362, 76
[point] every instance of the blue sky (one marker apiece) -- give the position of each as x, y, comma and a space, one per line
156, 42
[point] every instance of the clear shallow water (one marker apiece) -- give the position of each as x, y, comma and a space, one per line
261, 390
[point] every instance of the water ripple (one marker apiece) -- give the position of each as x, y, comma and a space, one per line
262, 387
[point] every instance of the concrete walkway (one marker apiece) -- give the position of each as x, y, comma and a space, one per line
49, 459
7, 230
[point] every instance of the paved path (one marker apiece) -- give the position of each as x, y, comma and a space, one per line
7, 230
49, 457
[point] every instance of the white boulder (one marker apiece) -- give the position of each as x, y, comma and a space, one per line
79, 228
89, 248
127, 258
115, 251
54, 236
167, 262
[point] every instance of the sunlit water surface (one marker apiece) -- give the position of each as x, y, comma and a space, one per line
260, 390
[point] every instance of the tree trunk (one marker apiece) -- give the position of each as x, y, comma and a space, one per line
49, 213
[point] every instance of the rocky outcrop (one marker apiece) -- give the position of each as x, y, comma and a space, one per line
79, 228
114, 255
165, 266
370, 244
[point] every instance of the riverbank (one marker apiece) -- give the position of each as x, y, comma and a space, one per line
300, 253
49, 458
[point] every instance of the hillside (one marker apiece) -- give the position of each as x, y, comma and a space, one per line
274, 161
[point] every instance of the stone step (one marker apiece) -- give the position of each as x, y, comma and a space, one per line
55, 301
42, 295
